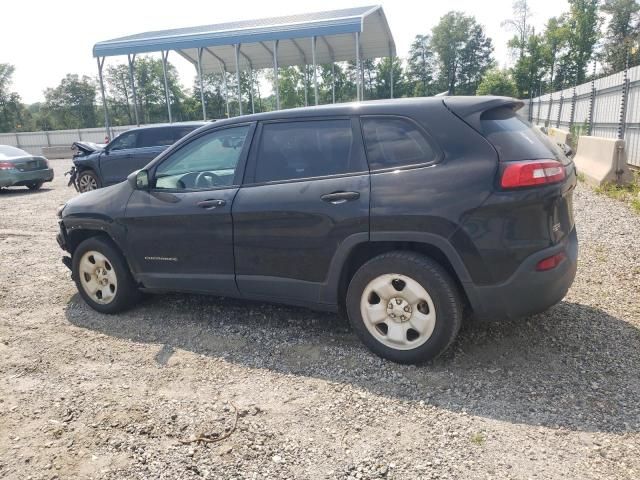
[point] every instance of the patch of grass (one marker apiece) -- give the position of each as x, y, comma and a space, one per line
581, 177
478, 439
629, 194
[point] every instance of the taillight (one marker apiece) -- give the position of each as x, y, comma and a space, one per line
531, 173
7, 166
550, 262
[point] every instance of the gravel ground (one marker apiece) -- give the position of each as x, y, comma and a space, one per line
85, 395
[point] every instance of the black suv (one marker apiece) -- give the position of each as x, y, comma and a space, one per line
96, 165
402, 213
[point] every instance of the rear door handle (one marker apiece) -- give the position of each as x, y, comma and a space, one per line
211, 204
336, 198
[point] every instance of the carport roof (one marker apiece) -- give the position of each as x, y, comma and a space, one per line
334, 31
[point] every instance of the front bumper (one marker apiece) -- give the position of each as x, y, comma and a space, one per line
17, 178
527, 291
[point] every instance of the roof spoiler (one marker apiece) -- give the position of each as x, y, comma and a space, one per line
470, 109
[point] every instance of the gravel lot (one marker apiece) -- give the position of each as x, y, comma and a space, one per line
84, 395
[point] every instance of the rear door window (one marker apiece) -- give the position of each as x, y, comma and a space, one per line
395, 142
516, 139
155, 137
303, 149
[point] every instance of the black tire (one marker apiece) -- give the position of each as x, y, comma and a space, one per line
88, 180
429, 275
35, 186
126, 294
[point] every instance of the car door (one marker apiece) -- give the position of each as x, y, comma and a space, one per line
179, 231
115, 161
306, 194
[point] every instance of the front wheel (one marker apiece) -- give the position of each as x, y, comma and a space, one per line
87, 181
404, 306
102, 276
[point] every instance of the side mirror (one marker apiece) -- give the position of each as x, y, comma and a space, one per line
139, 180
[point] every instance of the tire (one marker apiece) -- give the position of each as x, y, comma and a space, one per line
88, 180
98, 265
35, 186
404, 306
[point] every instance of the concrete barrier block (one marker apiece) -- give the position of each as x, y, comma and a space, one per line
602, 160
57, 152
559, 136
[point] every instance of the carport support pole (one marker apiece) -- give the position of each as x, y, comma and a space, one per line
237, 51
104, 98
275, 73
132, 58
226, 90
165, 56
390, 71
315, 69
204, 107
358, 87
253, 107
333, 82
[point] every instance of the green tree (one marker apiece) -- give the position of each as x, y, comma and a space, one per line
521, 26
555, 45
421, 67
72, 103
497, 82
13, 114
119, 95
530, 68
214, 95
622, 34
583, 31
384, 67
463, 51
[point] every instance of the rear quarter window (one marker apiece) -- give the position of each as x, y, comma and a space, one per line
395, 142
516, 139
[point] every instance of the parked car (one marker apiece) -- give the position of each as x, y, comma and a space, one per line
21, 169
96, 165
402, 213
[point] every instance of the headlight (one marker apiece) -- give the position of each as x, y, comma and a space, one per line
60, 209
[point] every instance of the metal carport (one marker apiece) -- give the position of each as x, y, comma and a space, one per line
303, 39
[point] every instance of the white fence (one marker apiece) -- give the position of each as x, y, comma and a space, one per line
607, 107
33, 142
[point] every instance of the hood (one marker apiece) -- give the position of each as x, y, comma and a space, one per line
85, 148
104, 203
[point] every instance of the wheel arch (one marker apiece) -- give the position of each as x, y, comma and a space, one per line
358, 253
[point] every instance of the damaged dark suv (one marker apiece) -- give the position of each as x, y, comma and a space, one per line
402, 213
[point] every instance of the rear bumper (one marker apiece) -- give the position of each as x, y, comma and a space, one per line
15, 177
527, 291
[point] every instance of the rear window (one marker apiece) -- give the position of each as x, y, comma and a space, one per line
516, 139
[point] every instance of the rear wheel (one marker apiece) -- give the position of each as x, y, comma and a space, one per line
404, 306
102, 276
35, 186
87, 181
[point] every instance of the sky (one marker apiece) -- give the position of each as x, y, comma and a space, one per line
45, 40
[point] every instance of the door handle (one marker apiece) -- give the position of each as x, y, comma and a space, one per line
211, 204
336, 198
